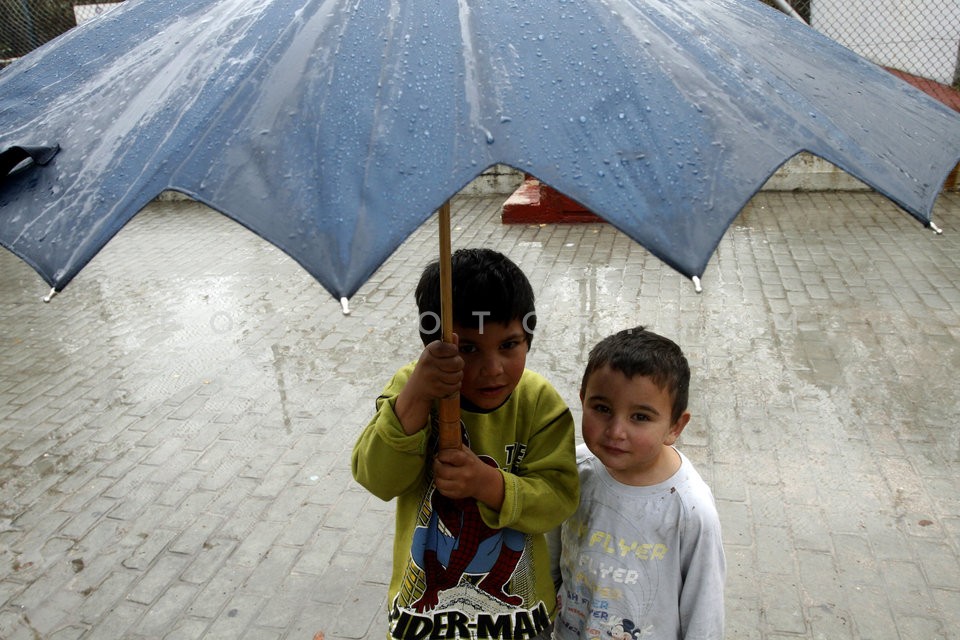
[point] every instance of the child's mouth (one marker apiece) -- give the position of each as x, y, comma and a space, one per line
491, 391
616, 451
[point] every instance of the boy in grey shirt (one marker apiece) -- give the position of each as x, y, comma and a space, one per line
642, 556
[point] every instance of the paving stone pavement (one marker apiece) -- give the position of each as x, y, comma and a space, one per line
175, 427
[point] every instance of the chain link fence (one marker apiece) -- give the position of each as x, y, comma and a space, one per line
27, 24
918, 40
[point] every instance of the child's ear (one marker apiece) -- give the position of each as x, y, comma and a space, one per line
677, 427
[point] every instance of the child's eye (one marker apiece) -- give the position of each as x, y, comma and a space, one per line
601, 408
510, 344
468, 348
640, 417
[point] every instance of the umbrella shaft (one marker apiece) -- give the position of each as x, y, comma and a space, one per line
449, 407
446, 276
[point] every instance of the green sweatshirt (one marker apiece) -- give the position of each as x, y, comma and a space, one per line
461, 569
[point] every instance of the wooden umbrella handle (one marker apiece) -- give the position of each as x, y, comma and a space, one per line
450, 422
449, 436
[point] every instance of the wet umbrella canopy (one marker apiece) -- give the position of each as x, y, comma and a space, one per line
333, 129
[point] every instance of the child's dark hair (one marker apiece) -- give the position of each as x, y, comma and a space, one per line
639, 352
487, 287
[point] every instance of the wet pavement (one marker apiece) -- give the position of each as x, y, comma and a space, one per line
175, 427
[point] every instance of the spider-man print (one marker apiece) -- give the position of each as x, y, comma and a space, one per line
457, 543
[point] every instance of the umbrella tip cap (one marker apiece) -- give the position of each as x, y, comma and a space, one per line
937, 230
696, 284
345, 306
49, 296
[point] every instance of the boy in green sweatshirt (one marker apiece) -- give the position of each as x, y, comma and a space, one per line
469, 558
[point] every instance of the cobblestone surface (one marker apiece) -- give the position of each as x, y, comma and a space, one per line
175, 427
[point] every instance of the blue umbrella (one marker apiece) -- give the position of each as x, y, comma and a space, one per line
333, 129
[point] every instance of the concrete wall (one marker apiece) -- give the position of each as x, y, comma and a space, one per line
806, 172
497, 179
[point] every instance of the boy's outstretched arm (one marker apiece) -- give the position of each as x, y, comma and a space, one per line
390, 455
541, 487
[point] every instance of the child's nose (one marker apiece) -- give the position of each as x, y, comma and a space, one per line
491, 364
616, 428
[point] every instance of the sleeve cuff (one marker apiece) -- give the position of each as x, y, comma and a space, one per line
509, 511
391, 432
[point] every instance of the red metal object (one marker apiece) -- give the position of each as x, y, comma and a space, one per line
536, 203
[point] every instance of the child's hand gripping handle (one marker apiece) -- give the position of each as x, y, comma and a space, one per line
449, 436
